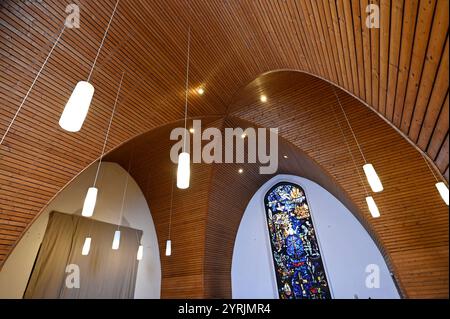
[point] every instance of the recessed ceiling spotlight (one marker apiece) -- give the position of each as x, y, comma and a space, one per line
263, 98
240, 171
244, 135
191, 130
200, 90
285, 156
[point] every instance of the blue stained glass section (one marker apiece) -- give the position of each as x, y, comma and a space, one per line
298, 263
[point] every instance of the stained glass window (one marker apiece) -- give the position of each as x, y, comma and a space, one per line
298, 263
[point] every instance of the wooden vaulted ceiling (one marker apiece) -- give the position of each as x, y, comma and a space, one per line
206, 217
399, 71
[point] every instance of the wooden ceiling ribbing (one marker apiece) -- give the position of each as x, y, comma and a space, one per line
304, 110
206, 217
400, 71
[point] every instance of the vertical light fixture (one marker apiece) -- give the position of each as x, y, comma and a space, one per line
372, 206
116, 240
184, 169
91, 196
169, 241
440, 186
168, 247
140, 252
86, 246
443, 191
32, 85
77, 107
371, 175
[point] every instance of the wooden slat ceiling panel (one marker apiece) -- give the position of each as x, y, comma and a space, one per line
400, 74
304, 111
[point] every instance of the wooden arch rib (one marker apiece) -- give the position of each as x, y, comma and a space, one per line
400, 70
206, 217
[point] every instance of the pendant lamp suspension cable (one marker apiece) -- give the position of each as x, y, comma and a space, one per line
103, 40
430, 168
348, 122
187, 86
125, 190
137, 238
32, 85
350, 151
109, 128
171, 207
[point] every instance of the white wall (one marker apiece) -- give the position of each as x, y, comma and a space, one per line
16, 271
346, 248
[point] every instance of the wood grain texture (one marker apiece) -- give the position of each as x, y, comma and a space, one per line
234, 42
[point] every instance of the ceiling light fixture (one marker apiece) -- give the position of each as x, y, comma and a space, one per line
86, 246
116, 240
169, 241
191, 130
32, 85
443, 191
168, 248
372, 206
91, 196
200, 91
77, 107
240, 171
440, 186
263, 98
372, 178
371, 175
184, 169
140, 252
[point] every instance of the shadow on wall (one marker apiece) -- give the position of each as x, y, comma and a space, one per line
17, 269
348, 252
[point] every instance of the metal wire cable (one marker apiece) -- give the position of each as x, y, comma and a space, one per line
348, 122
171, 206
103, 40
350, 151
32, 85
109, 128
187, 86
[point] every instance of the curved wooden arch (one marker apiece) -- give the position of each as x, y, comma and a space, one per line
207, 217
400, 70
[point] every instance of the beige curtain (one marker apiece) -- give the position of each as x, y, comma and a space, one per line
104, 273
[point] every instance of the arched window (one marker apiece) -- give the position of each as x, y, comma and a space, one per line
298, 263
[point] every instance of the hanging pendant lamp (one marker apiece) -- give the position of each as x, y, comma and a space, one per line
86, 246
184, 169
443, 191
77, 107
140, 252
372, 178
371, 175
373, 208
91, 196
116, 240
371, 205
168, 247
169, 241
440, 186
